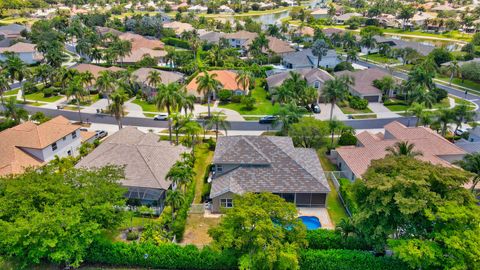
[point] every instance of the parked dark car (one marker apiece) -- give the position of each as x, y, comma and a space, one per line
269, 119
315, 108
99, 134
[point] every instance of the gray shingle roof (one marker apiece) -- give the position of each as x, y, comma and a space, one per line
270, 164
309, 74
421, 48
17, 28
305, 57
146, 159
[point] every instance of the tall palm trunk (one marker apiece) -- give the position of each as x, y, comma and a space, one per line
331, 109
169, 124
78, 107
209, 100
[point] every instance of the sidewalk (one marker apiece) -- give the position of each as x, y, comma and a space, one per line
382, 111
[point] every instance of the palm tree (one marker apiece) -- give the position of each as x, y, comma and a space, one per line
4, 86
462, 114
116, 108
168, 97
187, 101
346, 227
218, 121
11, 110
334, 125
336, 90
319, 49
175, 199
403, 148
105, 84
352, 55
192, 130
471, 163
75, 89
453, 68
369, 42
14, 67
444, 117
288, 115
417, 110
154, 78
44, 73
244, 78
207, 85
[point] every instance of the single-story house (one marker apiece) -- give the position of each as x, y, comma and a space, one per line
241, 39
178, 27
305, 32
142, 46
354, 161
321, 13
146, 159
31, 145
197, 9
225, 9
26, 51
341, 19
102, 30
395, 43
331, 31
94, 69
306, 59
141, 77
315, 77
12, 31
278, 46
363, 83
227, 79
266, 164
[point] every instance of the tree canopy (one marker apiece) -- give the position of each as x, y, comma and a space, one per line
53, 215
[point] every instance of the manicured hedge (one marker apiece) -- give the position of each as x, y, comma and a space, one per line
347, 195
329, 239
347, 260
176, 42
165, 256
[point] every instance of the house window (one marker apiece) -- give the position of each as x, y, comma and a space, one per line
54, 146
69, 152
64, 138
317, 84
219, 168
226, 203
74, 135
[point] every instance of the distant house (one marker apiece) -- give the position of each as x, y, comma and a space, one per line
472, 144
12, 31
102, 31
363, 85
321, 13
241, 39
178, 27
266, 164
331, 31
167, 77
30, 145
304, 32
354, 161
315, 77
26, 51
94, 69
211, 37
227, 81
306, 59
225, 9
141, 47
278, 46
197, 9
395, 43
146, 159
341, 19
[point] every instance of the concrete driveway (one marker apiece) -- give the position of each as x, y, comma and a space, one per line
381, 111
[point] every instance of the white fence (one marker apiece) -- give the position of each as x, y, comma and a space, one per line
334, 176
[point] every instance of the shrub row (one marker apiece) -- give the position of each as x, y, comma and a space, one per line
176, 42
347, 195
165, 256
330, 239
358, 103
338, 259
178, 226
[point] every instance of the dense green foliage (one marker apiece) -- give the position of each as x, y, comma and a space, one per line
263, 228
52, 214
309, 132
358, 103
164, 256
346, 260
332, 239
348, 195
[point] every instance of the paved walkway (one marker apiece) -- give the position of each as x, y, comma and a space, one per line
381, 111
325, 112
101, 104
133, 109
53, 105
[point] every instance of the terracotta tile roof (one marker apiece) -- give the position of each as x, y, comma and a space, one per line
242, 35
279, 46
372, 146
270, 164
87, 135
178, 27
13, 159
137, 54
226, 78
20, 47
139, 41
94, 69
146, 159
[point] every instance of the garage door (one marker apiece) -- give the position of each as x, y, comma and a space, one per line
371, 98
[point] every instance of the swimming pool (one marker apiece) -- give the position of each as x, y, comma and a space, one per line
312, 223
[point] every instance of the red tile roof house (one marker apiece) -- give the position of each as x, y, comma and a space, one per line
354, 161
30, 145
227, 81
142, 46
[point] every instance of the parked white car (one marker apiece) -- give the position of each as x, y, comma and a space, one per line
161, 117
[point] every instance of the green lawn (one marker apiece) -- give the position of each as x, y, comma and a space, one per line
11, 92
334, 205
146, 107
203, 157
38, 96
449, 35
380, 59
364, 116
349, 110
397, 107
263, 105
475, 86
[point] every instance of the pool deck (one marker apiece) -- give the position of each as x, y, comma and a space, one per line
321, 213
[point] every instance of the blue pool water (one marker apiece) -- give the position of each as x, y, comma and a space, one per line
312, 223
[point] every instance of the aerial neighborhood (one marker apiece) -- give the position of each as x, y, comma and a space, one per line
240, 134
